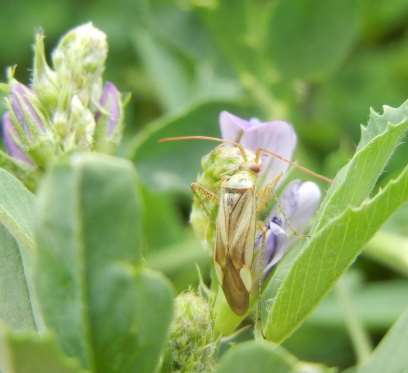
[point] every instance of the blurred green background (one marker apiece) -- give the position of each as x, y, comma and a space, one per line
320, 64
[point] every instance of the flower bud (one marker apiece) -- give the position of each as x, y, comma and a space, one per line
44, 82
79, 61
57, 113
191, 345
109, 119
23, 106
32, 131
9, 136
81, 125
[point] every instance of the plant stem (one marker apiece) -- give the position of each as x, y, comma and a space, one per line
270, 105
225, 321
390, 249
178, 256
358, 335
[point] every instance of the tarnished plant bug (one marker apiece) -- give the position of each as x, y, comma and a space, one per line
237, 202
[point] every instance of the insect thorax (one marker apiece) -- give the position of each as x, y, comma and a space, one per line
241, 180
223, 165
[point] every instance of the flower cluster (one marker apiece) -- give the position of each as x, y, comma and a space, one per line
292, 210
191, 344
66, 108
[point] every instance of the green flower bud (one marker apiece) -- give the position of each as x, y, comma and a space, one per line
44, 80
82, 123
79, 62
65, 109
192, 346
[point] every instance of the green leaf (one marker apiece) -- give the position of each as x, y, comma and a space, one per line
378, 123
175, 165
15, 304
325, 256
162, 224
355, 181
103, 306
170, 71
256, 357
333, 106
18, 305
18, 169
310, 28
28, 353
54, 17
181, 261
180, 80
16, 209
391, 354
242, 41
262, 357
383, 18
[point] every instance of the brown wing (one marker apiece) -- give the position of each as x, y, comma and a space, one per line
235, 292
234, 244
242, 230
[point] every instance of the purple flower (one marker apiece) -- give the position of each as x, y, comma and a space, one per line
276, 136
288, 220
12, 148
23, 107
111, 104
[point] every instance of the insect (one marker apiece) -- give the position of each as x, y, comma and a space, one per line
237, 202
235, 237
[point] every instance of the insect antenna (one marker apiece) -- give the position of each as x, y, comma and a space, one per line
210, 138
258, 153
292, 163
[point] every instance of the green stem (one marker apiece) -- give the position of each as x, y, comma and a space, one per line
389, 249
358, 335
270, 105
175, 257
225, 321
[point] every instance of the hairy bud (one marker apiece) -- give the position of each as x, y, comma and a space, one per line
191, 346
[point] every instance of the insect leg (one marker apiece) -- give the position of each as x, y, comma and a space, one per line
266, 193
203, 194
200, 191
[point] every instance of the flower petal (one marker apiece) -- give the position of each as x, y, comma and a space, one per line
275, 246
232, 127
11, 147
297, 205
21, 100
111, 102
276, 136
270, 246
292, 214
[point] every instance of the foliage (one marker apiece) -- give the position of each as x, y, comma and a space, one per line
84, 257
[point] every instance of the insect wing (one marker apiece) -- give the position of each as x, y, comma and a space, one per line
234, 245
